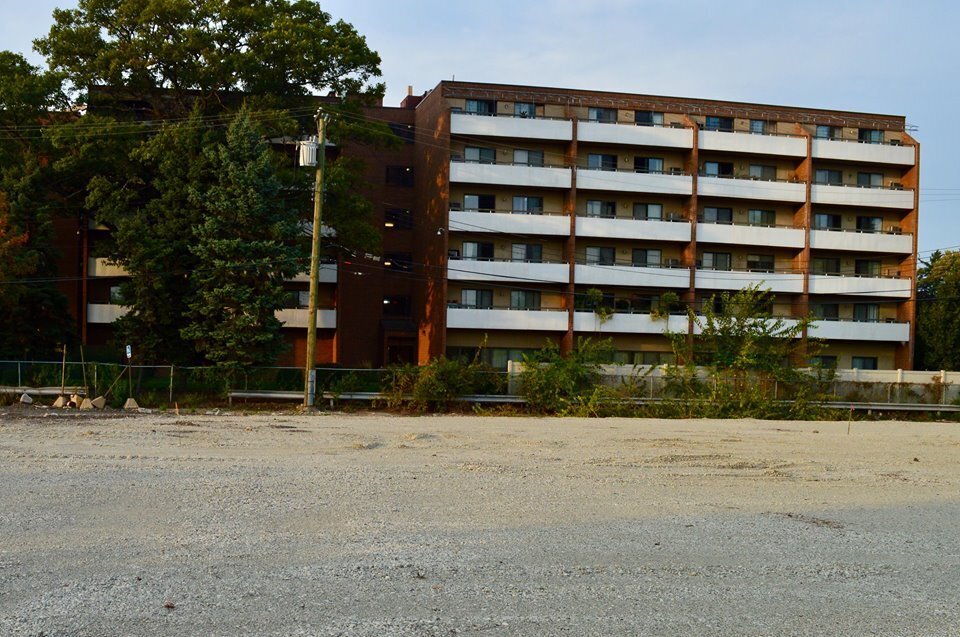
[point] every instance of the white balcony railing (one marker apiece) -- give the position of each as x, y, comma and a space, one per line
504, 319
631, 181
793, 192
510, 223
101, 267
744, 142
624, 228
861, 197
855, 151
633, 135
854, 241
518, 272
515, 127
860, 331
631, 276
779, 237
790, 282
861, 286
102, 313
509, 175
299, 317
623, 323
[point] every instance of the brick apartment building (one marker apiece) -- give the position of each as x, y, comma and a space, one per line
506, 204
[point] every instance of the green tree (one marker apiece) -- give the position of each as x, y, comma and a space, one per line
938, 311
246, 247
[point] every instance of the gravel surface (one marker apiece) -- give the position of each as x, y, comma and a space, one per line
379, 525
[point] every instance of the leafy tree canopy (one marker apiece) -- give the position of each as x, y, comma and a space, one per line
938, 311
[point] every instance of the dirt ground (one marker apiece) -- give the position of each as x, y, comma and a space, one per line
333, 524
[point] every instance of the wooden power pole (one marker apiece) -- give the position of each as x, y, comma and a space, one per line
310, 378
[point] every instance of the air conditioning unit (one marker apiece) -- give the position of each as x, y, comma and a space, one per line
677, 125
896, 185
894, 229
890, 320
455, 205
676, 171
672, 263
896, 142
456, 157
453, 254
674, 216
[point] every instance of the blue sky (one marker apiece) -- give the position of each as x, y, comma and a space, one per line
874, 56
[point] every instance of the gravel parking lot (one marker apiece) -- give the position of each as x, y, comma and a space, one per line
334, 524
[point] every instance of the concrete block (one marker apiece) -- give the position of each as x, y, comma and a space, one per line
86, 404
25, 399
60, 402
99, 402
131, 405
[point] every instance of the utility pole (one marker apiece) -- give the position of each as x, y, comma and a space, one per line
310, 377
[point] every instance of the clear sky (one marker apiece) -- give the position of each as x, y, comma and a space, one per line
876, 56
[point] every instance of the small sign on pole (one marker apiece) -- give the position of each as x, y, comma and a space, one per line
129, 352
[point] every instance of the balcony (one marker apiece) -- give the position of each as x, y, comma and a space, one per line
471, 318
626, 228
103, 267
632, 181
553, 224
860, 331
860, 285
855, 151
633, 135
632, 276
519, 272
327, 274
857, 241
753, 144
509, 175
299, 317
626, 323
103, 313
516, 127
773, 236
729, 187
789, 282
862, 197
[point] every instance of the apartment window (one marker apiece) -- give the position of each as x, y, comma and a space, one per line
477, 251
399, 261
827, 132
297, 299
719, 123
644, 257
718, 169
406, 132
399, 176
479, 202
524, 205
396, 305
830, 177
481, 107
823, 221
826, 362
475, 155
869, 224
648, 118
645, 211
864, 362
867, 267
869, 312
525, 109
397, 219
762, 217
870, 180
597, 161
717, 215
527, 252
601, 256
524, 300
827, 311
825, 265
528, 157
760, 262
479, 299
648, 164
116, 297
605, 209
716, 261
870, 136
606, 115
758, 127
765, 173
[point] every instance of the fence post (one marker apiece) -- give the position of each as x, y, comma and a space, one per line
19, 380
943, 387
171, 383
776, 389
96, 389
